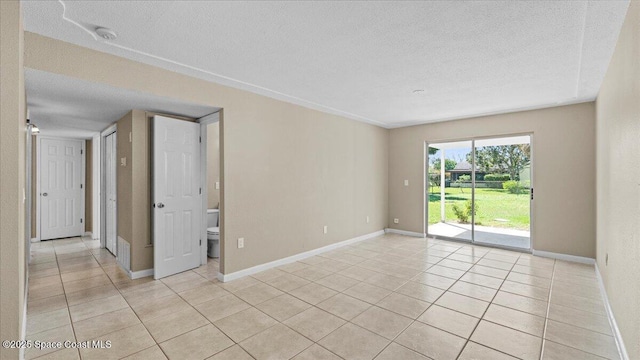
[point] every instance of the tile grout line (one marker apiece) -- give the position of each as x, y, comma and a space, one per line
338, 292
129, 305
66, 301
392, 292
485, 310
362, 264
73, 329
546, 318
262, 281
434, 302
311, 305
193, 307
580, 327
64, 292
400, 333
114, 285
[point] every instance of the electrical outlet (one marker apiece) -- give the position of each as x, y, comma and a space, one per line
406, 183
367, 219
396, 221
240, 243
217, 185
325, 229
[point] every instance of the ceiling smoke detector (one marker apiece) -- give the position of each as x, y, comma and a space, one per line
106, 34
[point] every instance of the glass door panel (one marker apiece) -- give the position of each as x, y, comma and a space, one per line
501, 191
449, 190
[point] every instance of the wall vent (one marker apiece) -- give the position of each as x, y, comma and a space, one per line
124, 253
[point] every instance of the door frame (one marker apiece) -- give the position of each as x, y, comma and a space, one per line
103, 191
96, 173
425, 170
83, 165
204, 122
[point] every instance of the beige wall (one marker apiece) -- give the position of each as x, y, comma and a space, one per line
618, 163
286, 170
124, 178
88, 185
12, 176
141, 248
213, 165
563, 172
286, 176
133, 190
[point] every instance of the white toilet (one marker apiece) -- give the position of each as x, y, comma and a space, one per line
213, 233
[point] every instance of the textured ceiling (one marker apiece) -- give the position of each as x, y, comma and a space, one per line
363, 60
63, 106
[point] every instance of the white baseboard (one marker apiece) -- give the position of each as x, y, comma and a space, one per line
140, 274
407, 233
122, 267
622, 350
35, 240
294, 258
565, 257
136, 274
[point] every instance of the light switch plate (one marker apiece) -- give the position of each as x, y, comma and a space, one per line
367, 219
406, 183
123, 161
217, 185
326, 229
240, 243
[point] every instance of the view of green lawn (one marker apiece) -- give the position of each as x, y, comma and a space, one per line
494, 206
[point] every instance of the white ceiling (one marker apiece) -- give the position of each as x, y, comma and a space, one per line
363, 60
64, 106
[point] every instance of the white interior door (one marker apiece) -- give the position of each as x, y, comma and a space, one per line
60, 188
110, 187
176, 194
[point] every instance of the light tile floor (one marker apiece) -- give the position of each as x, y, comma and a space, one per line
391, 297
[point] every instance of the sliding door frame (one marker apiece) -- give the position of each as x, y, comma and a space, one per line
473, 186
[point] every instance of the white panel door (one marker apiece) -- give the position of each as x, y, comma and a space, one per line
60, 188
110, 187
176, 194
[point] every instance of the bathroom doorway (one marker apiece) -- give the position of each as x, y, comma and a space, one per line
211, 164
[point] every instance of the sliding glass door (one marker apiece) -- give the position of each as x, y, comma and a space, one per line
479, 190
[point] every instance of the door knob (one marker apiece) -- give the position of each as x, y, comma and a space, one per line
44, 194
160, 205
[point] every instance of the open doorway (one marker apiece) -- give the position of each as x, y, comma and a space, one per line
479, 190
69, 108
81, 278
212, 199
